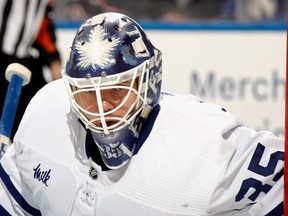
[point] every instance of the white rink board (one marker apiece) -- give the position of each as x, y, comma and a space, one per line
242, 70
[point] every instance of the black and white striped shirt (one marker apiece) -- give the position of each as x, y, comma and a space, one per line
20, 21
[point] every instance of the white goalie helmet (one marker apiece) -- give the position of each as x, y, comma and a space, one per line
111, 54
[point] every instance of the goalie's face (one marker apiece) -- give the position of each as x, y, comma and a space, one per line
108, 106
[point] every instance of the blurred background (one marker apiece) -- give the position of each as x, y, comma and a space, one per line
176, 10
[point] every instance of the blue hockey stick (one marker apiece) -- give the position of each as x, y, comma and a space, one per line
18, 76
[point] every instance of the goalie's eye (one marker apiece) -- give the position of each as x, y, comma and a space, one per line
120, 89
89, 91
117, 91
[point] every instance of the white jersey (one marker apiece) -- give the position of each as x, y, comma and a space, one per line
197, 160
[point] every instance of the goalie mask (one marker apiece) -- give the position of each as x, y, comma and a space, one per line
113, 76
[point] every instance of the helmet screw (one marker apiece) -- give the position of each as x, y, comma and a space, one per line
88, 76
103, 74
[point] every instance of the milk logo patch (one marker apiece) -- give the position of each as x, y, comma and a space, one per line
41, 175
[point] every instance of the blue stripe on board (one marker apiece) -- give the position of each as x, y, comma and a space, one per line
195, 26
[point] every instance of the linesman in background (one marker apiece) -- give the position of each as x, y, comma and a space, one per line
27, 36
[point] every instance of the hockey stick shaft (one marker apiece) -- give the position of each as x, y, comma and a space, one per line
10, 105
9, 111
17, 75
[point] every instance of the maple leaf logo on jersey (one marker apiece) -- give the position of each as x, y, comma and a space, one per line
97, 50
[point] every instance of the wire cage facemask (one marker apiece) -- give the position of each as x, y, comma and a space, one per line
95, 85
